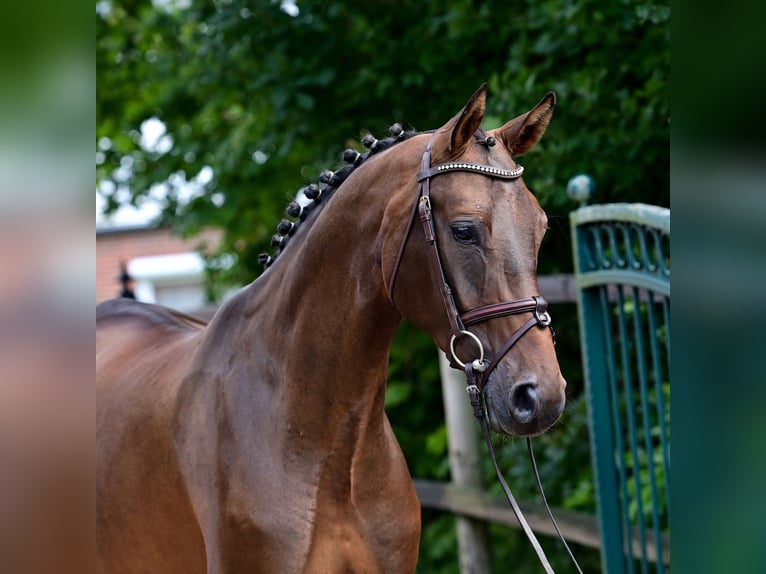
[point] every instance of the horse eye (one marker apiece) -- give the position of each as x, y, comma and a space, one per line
463, 233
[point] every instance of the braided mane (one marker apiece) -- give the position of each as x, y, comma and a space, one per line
311, 198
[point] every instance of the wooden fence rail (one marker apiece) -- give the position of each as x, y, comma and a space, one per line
470, 502
558, 287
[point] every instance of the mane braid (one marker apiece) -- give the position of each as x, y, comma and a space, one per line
298, 211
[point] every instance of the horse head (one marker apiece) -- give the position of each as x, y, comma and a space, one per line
488, 227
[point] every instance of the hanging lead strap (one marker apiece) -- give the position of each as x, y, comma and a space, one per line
545, 503
477, 402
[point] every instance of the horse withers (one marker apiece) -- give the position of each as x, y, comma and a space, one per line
259, 442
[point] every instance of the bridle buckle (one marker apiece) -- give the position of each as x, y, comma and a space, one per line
541, 312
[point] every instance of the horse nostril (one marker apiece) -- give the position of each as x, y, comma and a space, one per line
524, 402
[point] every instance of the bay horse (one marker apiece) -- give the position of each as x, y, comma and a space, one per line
259, 442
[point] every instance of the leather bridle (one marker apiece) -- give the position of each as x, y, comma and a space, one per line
458, 321
478, 370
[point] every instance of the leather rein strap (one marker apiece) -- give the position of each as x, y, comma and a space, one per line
478, 371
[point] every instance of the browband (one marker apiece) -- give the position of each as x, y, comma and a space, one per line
472, 167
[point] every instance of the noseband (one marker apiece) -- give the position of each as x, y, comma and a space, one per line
459, 322
478, 370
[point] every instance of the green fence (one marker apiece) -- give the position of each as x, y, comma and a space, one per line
622, 269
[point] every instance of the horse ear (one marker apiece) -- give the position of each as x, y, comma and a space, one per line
464, 124
522, 133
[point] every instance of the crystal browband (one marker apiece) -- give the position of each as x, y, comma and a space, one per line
472, 167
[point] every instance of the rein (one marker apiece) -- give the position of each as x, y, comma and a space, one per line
478, 371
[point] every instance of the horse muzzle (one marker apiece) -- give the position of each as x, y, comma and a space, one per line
526, 407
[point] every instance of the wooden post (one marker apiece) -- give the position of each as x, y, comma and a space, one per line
465, 466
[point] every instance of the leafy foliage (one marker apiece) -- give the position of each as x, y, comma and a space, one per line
267, 97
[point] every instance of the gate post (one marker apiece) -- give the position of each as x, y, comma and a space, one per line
465, 466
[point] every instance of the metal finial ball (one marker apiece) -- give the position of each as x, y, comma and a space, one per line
581, 187
369, 141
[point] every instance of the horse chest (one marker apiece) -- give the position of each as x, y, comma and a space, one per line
268, 508
345, 539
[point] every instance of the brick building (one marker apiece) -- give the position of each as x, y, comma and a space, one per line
164, 268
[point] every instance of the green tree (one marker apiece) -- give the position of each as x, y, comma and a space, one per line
264, 94
267, 99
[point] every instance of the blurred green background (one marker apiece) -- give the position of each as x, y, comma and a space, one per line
266, 94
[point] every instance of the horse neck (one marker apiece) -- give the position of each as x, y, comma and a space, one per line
320, 319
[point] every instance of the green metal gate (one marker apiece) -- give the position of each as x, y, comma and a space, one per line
622, 268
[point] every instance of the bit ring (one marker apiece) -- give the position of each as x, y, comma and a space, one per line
477, 364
